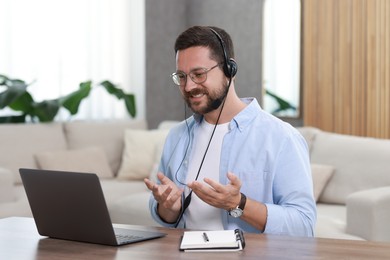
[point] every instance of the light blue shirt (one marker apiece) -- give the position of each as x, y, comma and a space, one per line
271, 159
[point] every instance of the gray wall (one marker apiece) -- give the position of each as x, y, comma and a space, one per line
165, 20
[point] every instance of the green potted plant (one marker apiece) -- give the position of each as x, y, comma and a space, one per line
17, 97
282, 104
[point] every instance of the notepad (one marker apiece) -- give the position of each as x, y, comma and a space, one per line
216, 240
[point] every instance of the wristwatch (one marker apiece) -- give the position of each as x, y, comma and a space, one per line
239, 210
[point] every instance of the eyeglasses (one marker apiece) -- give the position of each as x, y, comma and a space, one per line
197, 76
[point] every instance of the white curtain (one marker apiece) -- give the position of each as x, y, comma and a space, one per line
59, 44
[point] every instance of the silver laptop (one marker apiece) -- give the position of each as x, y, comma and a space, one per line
71, 206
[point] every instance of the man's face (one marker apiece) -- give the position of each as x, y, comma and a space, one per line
200, 96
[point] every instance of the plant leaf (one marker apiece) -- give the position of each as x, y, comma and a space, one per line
130, 104
12, 93
3, 79
283, 104
112, 89
12, 119
46, 110
23, 103
128, 98
73, 100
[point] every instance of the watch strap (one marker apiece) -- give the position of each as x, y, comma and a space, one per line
242, 202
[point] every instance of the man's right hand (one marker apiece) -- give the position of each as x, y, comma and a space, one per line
168, 196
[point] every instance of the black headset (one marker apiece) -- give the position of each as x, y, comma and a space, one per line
229, 65
230, 70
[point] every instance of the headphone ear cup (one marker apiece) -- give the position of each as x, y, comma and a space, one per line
231, 68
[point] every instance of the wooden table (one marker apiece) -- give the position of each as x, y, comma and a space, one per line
19, 239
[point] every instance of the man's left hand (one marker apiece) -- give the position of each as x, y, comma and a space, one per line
215, 194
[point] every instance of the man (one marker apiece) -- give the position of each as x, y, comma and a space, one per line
230, 165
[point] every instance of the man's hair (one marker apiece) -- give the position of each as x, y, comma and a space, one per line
204, 36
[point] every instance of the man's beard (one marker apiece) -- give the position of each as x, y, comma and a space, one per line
214, 100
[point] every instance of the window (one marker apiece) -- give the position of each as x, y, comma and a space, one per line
59, 44
281, 57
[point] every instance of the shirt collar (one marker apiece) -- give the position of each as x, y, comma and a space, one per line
245, 117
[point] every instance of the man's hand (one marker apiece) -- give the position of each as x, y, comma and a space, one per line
218, 195
228, 197
168, 196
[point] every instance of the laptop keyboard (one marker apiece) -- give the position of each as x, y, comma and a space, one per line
125, 235
126, 238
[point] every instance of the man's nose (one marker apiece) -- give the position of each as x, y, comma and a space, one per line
189, 84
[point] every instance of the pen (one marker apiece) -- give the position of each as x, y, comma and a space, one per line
205, 237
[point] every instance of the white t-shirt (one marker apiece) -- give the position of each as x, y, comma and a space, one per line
200, 215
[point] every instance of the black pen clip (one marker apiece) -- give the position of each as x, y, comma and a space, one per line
205, 237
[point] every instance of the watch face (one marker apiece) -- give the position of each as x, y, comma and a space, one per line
235, 213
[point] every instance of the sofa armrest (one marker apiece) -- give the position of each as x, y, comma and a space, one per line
6, 186
368, 214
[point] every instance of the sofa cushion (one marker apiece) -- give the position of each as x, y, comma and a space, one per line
19, 143
6, 186
331, 222
92, 159
309, 133
360, 163
18, 207
156, 162
321, 175
127, 201
115, 189
140, 152
164, 125
105, 134
368, 214
132, 209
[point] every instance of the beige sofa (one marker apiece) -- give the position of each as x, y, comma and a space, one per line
351, 174
82, 146
352, 177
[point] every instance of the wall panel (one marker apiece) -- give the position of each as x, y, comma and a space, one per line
346, 66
